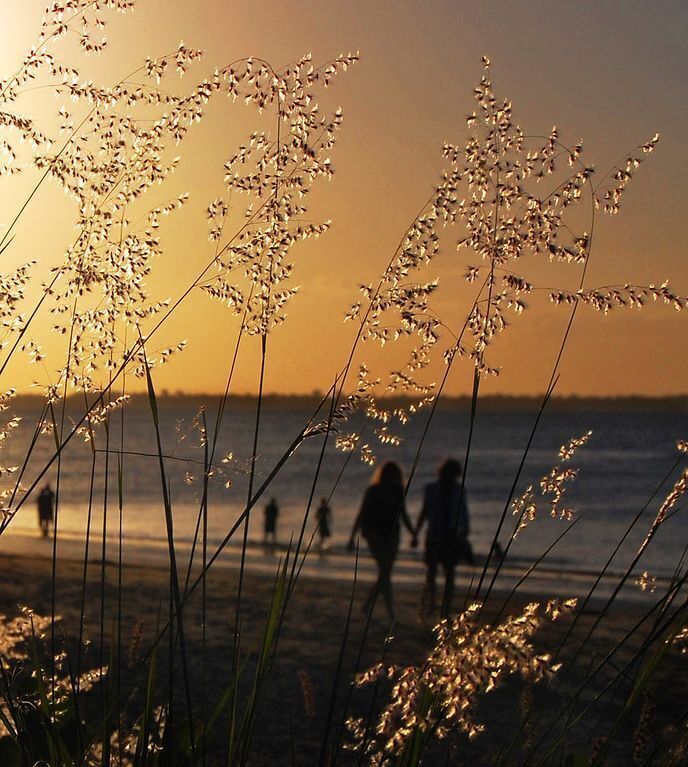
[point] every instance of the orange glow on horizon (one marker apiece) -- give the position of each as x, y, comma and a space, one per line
409, 93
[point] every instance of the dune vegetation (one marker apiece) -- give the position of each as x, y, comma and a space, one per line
505, 679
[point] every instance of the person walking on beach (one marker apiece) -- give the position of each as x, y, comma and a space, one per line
46, 499
378, 520
323, 515
446, 540
270, 525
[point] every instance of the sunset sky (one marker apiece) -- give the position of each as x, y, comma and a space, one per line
610, 73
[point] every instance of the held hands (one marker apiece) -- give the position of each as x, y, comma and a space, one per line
351, 545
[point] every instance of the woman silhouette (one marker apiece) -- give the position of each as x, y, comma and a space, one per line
378, 520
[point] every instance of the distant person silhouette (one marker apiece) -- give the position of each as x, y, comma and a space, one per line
46, 499
446, 541
270, 526
324, 515
378, 520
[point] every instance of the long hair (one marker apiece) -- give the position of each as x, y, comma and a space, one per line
388, 475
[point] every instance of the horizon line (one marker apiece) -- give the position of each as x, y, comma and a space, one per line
318, 394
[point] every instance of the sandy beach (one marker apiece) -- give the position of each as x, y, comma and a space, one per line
294, 707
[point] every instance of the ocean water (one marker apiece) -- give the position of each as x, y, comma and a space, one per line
622, 470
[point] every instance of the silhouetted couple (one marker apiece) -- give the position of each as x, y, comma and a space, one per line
445, 510
271, 514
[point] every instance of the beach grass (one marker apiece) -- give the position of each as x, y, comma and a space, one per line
197, 664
